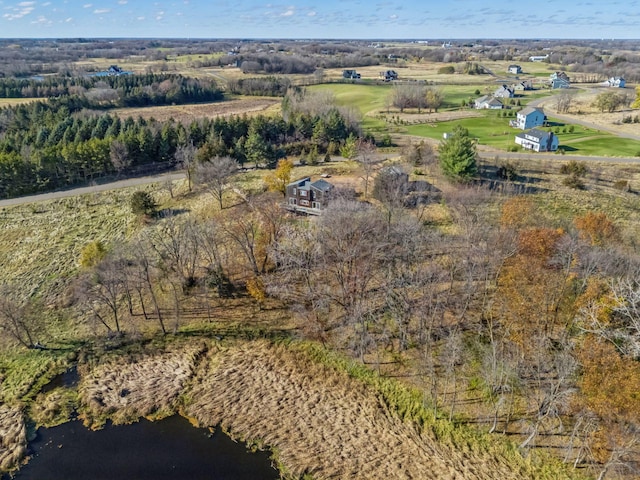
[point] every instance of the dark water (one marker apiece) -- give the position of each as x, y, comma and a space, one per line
168, 449
68, 379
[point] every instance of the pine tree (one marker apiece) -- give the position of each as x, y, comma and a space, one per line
458, 155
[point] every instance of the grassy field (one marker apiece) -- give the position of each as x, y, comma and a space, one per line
10, 102
236, 105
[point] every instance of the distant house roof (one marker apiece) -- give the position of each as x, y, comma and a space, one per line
503, 91
529, 110
487, 101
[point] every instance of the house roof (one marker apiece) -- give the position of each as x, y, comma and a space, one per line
534, 132
489, 99
529, 110
306, 184
322, 185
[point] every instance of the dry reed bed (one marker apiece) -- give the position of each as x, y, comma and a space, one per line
13, 437
144, 386
320, 421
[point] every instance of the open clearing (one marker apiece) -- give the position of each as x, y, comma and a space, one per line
187, 113
11, 102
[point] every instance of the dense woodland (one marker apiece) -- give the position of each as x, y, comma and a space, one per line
49, 145
115, 91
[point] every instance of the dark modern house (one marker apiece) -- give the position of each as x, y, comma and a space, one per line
308, 197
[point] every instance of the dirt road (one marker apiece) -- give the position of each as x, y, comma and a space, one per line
130, 182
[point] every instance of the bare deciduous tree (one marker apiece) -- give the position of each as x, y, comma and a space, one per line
185, 157
17, 320
215, 175
366, 156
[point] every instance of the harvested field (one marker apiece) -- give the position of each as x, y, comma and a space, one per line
320, 421
149, 385
13, 437
226, 108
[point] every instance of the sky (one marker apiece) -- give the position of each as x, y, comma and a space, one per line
340, 19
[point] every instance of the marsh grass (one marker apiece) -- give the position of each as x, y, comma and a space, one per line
24, 372
13, 437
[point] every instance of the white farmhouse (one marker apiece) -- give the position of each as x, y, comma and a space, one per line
538, 140
617, 82
489, 102
529, 117
504, 92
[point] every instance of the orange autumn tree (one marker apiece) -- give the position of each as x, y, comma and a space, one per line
518, 212
596, 228
531, 293
610, 387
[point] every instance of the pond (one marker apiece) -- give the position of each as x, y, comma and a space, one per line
168, 449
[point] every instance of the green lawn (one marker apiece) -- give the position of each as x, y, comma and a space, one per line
495, 131
371, 99
604, 145
488, 129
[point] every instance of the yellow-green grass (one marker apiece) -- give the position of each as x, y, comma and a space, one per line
10, 102
40, 243
194, 57
23, 372
371, 100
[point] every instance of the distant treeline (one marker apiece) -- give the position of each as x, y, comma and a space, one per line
266, 86
115, 91
55, 144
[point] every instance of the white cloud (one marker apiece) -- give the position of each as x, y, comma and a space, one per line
42, 20
288, 13
87, 5
140, 18
311, 14
123, 2
20, 10
100, 11
69, 20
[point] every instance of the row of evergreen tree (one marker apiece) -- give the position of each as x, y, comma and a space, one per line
51, 145
115, 91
